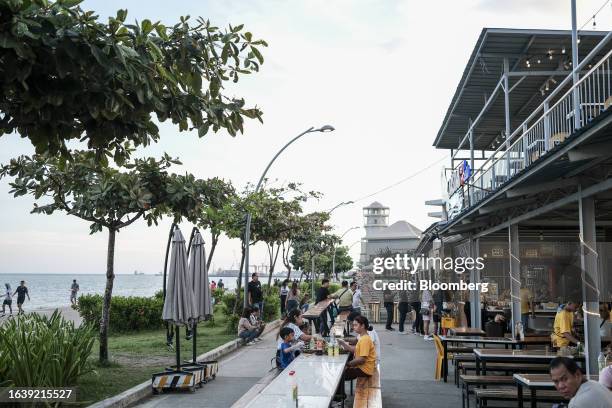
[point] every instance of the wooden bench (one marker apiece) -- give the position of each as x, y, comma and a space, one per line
507, 368
459, 359
256, 389
480, 380
367, 391
484, 395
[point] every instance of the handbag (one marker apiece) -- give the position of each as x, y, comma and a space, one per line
424, 311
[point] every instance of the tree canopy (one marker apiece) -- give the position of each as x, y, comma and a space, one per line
65, 75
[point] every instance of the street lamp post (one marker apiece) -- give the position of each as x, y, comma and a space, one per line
340, 204
334, 255
247, 229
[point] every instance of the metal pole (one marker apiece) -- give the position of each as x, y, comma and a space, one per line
312, 276
334, 263
590, 280
475, 311
515, 275
575, 92
507, 112
470, 186
247, 229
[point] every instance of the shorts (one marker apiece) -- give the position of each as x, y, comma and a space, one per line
426, 318
7, 302
21, 300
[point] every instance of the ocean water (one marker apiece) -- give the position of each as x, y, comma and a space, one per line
53, 290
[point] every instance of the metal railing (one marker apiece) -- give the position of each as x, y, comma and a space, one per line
543, 130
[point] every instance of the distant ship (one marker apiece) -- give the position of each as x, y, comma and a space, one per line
138, 273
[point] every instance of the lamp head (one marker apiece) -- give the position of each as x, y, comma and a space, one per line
326, 128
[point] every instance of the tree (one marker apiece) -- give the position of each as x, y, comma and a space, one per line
66, 76
311, 240
275, 209
106, 197
220, 198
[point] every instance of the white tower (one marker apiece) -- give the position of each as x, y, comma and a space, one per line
375, 217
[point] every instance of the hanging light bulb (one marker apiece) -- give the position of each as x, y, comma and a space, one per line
563, 50
594, 24
547, 87
578, 40
539, 61
550, 56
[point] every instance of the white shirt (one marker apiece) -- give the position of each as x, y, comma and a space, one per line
426, 299
376, 340
357, 298
7, 295
297, 333
591, 394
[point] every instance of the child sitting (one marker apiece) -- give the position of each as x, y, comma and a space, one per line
287, 351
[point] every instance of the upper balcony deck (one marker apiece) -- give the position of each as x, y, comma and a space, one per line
515, 104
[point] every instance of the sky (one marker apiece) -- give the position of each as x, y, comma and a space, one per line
381, 72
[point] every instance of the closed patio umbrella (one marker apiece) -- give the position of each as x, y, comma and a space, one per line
179, 305
197, 269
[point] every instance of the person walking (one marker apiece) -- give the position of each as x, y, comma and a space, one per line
357, 299
292, 298
415, 304
74, 290
403, 308
8, 300
345, 298
255, 292
283, 296
22, 292
388, 300
426, 309
220, 284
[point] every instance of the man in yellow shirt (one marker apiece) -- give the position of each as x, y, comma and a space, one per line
526, 306
563, 334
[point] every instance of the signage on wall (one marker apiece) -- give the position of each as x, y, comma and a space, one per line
497, 252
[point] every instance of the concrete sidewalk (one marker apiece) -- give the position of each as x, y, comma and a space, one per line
238, 372
407, 367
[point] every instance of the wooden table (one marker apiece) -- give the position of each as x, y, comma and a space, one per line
532, 382
506, 341
317, 378
466, 331
316, 311
515, 356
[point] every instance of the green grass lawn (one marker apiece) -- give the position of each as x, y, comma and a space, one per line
135, 356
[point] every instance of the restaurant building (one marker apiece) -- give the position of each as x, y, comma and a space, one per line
528, 186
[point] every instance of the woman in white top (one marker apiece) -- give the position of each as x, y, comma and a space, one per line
426, 309
293, 298
293, 321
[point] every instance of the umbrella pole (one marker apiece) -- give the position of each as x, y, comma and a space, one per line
195, 334
178, 348
168, 335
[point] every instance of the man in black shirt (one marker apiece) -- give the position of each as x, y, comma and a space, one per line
22, 292
323, 294
255, 293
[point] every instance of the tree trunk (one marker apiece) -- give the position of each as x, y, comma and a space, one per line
213, 244
238, 291
108, 293
270, 256
286, 261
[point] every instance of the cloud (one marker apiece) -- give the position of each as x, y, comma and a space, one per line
521, 6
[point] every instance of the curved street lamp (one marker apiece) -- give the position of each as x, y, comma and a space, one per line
339, 205
247, 229
334, 256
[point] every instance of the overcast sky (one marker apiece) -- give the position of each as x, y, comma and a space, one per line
382, 72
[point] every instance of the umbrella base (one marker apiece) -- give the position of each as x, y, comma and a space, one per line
177, 380
209, 369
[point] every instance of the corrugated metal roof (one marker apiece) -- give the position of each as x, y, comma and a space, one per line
484, 70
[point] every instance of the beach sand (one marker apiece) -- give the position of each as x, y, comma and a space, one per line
67, 312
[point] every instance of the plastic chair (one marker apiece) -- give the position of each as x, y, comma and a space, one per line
439, 357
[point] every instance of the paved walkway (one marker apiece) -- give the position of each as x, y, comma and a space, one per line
407, 376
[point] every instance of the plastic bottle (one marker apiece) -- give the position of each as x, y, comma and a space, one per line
601, 361
293, 390
579, 348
